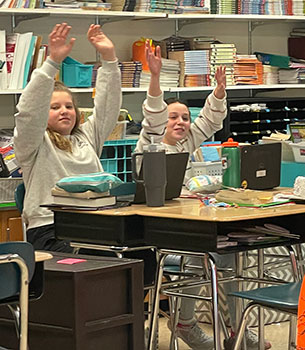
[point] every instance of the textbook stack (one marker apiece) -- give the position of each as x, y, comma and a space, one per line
223, 55
20, 54
168, 6
197, 68
169, 76
248, 70
130, 73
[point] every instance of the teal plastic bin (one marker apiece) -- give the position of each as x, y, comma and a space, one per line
289, 172
76, 74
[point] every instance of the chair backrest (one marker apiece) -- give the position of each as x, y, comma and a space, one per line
19, 196
10, 273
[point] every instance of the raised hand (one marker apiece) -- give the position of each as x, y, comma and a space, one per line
101, 42
153, 59
220, 77
58, 46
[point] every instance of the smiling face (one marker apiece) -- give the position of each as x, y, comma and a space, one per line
62, 115
178, 123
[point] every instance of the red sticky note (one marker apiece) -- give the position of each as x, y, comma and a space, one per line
70, 261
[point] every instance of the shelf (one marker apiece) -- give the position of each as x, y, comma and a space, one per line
183, 89
147, 15
60, 12
239, 18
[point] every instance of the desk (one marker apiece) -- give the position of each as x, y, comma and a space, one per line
182, 224
10, 223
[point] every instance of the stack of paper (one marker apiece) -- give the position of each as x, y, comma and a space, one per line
248, 70
223, 55
288, 76
130, 73
270, 75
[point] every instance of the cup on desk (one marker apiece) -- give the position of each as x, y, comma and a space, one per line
154, 173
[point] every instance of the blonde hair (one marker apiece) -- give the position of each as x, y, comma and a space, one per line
57, 139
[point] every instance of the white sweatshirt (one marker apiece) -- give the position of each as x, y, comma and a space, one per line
205, 125
42, 163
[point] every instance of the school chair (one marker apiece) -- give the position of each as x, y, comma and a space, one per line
283, 298
17, 265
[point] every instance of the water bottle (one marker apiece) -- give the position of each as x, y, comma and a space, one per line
230, 156
154, 173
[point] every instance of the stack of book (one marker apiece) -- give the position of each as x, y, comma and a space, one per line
169, 76
223, 55
197, 68
172, 44
130, 73
248, 70
168, 6
88, 199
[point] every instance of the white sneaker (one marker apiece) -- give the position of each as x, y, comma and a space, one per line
194, 336
252, 340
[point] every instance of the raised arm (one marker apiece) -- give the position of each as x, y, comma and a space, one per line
101, 42
108, 95
34, 104
58, 46
154, 63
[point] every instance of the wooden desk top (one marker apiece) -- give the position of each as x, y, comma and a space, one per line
186, 208
42, 256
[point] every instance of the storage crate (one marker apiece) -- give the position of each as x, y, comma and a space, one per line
116, 158
76, 74
7, 188
207, 168
298, 151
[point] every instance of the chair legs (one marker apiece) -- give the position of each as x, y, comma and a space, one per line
23, 298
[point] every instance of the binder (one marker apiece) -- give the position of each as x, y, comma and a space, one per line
273, 60
296, 47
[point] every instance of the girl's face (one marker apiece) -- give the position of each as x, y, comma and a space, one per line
62, 115
178, 124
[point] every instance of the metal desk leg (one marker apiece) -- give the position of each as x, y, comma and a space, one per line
156, 299
216, 327
261, 321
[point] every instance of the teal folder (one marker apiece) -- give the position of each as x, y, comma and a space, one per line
273, 60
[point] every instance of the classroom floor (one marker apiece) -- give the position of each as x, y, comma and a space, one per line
277, 334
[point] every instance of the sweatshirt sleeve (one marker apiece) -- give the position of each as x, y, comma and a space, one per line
107, 104
209, 120
155, 120
32, 114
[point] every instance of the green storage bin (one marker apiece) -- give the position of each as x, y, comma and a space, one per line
76, 74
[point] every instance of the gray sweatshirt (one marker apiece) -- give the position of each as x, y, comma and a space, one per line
205, 125
42, 163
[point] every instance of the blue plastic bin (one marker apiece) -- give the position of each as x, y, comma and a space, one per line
76, 74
